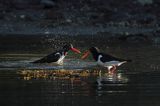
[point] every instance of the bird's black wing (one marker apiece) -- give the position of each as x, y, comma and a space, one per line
107, 58
53, 57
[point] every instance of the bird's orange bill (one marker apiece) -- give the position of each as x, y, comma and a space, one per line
75, 50
85, 55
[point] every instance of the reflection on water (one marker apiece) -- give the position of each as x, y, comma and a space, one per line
55, 74
78, 87
80, 82
79, 77
111, 83
112, 78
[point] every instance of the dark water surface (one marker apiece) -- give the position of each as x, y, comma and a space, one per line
79, 82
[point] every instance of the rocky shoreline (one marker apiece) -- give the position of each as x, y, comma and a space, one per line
133, 21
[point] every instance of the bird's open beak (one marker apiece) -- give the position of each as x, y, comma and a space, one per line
85, 55
75, 50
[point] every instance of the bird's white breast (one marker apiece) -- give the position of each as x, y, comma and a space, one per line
99, 62
60, 61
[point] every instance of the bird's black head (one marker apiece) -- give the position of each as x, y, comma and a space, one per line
94, 50
67, 47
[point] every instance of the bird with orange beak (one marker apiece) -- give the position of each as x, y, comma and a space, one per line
105, 60
57, 57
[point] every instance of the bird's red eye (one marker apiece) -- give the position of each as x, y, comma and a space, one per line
65, 53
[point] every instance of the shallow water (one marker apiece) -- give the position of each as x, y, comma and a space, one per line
80, 82
50, 86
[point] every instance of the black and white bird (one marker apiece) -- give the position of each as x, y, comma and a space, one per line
105, 60
57, 57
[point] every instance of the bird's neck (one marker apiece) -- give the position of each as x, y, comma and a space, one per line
95, 55
65, 53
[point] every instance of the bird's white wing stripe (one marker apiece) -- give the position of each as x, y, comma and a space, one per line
60, 61
116, 63
58, 54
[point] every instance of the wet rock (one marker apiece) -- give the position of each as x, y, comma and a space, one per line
145, 2
22, 16
54, 15
20, 4
106, 13
48, 3
1, 16
155, 40
134, 38
68, 20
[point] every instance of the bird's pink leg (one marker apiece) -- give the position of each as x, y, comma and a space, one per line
112, 70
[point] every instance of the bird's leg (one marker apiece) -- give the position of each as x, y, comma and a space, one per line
99, 73
112, 70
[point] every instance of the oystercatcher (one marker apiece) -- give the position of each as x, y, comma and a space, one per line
58, 56
105, 60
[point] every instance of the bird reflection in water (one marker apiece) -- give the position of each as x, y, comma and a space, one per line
111, 83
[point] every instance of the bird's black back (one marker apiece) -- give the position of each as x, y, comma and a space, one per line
107, 58
53, 57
